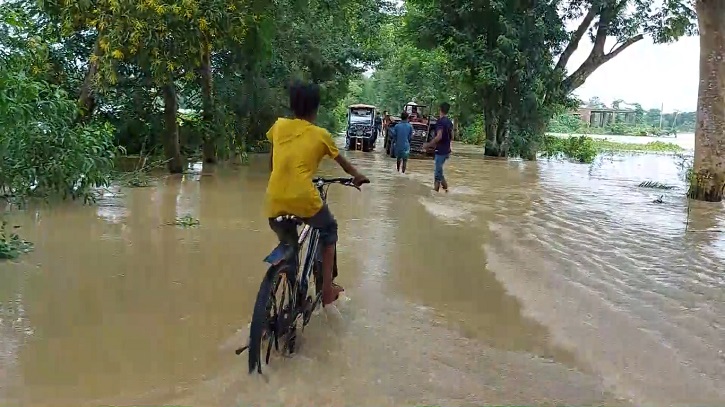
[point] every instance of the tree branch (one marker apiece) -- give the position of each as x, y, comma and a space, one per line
576, 38
629, 42
594, 61
616, 44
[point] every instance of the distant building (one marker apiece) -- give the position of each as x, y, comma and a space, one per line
600, 117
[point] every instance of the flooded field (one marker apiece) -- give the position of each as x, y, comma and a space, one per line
529, 283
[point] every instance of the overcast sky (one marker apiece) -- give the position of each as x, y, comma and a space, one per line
646, 73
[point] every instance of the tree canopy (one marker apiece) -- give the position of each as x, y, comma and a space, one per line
193, 78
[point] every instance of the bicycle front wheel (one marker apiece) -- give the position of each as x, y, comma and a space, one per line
269, 319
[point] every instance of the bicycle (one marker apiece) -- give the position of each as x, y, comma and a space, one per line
273, 323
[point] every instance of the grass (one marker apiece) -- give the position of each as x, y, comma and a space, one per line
651, 147
11, 245
186, 221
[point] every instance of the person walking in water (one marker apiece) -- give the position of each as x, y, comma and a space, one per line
442, 144
403, 133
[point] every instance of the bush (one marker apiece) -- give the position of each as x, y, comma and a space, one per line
474, 133
567, 123
44, 150
582, 149
11, 245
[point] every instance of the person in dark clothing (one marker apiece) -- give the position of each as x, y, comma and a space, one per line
442, 144
378, 127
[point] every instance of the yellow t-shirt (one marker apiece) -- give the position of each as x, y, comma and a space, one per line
298, 147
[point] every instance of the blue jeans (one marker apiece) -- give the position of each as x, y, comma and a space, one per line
440, 159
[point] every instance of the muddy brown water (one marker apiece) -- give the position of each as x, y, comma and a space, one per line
529, 283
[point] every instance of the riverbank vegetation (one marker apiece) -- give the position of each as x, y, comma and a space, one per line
585, 149
185, 78
11, 245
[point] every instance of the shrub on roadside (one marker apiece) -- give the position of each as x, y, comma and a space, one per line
44, 151
474, 133
582, 149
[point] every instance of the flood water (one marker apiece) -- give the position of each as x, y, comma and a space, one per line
529, 283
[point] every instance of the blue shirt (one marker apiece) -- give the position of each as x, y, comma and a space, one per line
445, 125
402, 133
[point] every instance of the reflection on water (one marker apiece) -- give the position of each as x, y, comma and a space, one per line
528, 283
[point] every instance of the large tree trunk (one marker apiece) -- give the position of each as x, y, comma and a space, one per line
496, 114
171, 136
491, 148
209, 153
709, 177
87, 98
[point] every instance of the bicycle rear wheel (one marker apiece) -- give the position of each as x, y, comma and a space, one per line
272, 310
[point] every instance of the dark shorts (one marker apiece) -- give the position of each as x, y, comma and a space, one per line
440, 159
322, 221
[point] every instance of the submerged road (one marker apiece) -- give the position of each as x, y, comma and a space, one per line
529, 283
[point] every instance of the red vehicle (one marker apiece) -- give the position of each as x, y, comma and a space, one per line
423, 130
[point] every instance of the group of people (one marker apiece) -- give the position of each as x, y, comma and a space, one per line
298, 147
402, 134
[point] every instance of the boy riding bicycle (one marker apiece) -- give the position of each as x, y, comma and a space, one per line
298, 147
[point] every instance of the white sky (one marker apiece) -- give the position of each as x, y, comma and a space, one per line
646, 73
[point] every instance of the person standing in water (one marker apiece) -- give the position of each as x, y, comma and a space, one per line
378, 127
403, 133
442, 144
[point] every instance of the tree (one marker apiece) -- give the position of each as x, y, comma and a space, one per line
502, 51
709, 169
595, 102
477, 36
629, 21
136, 64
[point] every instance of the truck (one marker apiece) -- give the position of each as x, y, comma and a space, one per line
423, 130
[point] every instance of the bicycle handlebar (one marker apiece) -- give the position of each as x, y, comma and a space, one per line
348, 182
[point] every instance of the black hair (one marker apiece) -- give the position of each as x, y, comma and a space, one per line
404, 115
445, 107
304, 99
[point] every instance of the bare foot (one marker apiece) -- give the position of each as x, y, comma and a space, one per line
328, 297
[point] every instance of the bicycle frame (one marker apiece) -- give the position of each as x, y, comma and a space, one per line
281, 259
312, 254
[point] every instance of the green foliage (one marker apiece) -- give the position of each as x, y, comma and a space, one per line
568, 123
646, 123
45, 151
186, 221
119, 55
11, 245
501, 56
585, 149
507, 59
499, 63
474, 132
581, 149
652, 147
